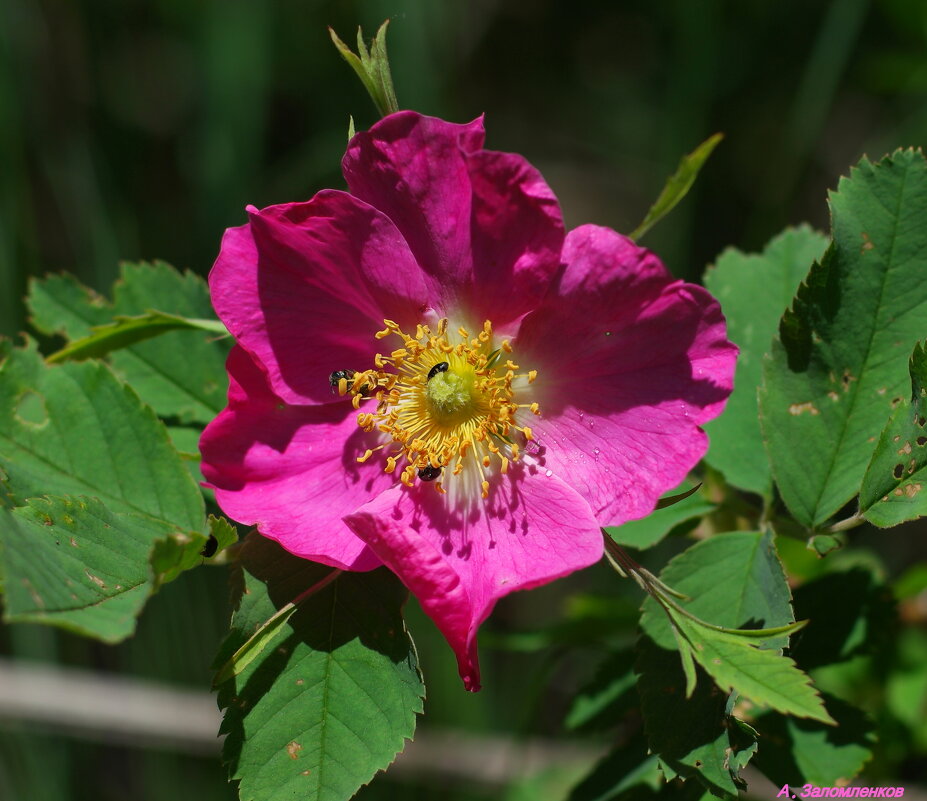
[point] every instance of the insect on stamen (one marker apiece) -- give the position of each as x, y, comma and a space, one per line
440, 367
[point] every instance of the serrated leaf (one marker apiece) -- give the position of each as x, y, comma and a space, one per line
225, 533
893, 487
690, 736
800, 751
343, 667
678, 185
839, 363
127, 331
734, 580
60, 304
648, 531
180, 373
754, 290
76, 430
765, 677
73, 563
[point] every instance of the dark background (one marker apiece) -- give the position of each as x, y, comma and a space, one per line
140, 130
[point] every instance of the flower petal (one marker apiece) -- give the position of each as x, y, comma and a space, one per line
483, 225
630, 362
414, 169
291, 470
304, 286
531, 529
517, 236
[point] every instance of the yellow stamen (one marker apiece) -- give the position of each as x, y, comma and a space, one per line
434, 419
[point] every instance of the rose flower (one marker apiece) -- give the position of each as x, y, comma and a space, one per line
430, 375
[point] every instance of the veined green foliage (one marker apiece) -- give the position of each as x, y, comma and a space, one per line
838, 367
734, 580
332, 695
180, 372
74, 429
754, 290
123, 515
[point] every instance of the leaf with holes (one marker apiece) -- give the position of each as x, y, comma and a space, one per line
333, 696
893, 488
752, 319
838, 367
181, 373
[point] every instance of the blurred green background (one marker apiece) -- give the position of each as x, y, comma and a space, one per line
140, 130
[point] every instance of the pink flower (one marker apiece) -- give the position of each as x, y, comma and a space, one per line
498, 392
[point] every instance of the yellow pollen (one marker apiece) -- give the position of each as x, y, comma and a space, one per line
435, 401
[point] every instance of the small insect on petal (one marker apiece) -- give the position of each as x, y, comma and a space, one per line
334, 379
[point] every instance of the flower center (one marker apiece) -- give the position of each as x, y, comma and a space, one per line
444, 408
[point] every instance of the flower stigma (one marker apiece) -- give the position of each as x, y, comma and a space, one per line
445, 408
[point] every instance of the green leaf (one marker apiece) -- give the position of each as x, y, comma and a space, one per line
754, 290
734, 580
650, 530
678, 184
75, 429
60, 304
838, 367
343, 667
372, 67
693, 737
800, 751
180, 373
73, 563
187, 550
127, 331
224, 532
892, 490
765, 677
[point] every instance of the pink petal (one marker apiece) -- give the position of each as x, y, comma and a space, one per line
291, 470
630, 362
414, 169
304, 286
517, 236
531, 529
